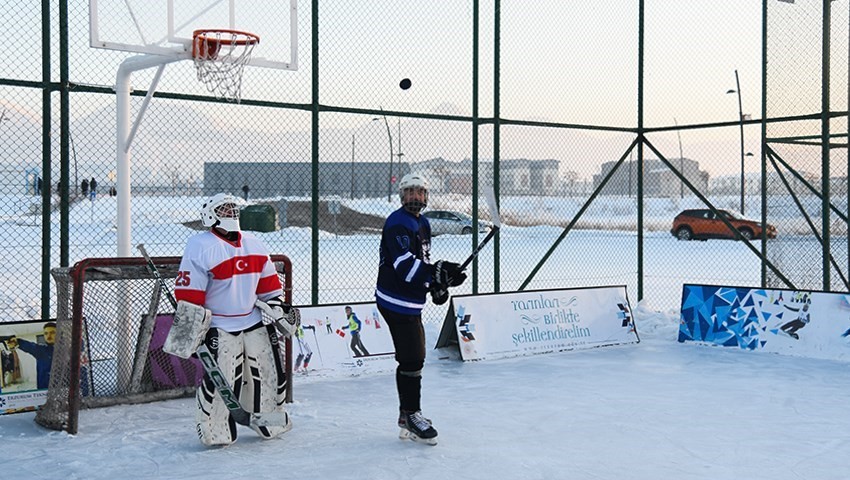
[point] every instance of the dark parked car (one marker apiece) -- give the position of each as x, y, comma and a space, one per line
700, 224
449, 222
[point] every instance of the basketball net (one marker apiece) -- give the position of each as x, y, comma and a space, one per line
220, 57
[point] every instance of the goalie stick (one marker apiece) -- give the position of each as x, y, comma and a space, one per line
240, 415
490, 198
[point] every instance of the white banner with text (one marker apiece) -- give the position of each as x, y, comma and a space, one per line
514, 324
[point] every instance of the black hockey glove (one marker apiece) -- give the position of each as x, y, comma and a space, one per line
448, 274
439, 295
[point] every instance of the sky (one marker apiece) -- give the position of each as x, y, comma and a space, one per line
560, 61
554, 54
552, 49
656, 409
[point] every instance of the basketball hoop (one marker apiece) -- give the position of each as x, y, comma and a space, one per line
220, 57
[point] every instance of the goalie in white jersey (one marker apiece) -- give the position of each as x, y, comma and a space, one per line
222, 274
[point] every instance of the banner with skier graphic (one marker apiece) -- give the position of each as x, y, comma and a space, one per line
342, 339
796, 322
514, 324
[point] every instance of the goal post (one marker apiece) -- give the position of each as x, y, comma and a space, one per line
111, 321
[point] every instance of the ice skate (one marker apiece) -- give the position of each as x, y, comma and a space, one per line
402, 420
414, 426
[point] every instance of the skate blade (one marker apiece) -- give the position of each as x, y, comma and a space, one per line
405, 434
272, 419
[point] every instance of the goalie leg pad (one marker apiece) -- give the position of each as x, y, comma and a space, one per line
191, 323
213, 421
265, 386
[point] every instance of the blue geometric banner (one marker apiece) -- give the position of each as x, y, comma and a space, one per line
804, 323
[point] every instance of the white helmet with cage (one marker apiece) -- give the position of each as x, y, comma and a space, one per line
413, 192
222, 211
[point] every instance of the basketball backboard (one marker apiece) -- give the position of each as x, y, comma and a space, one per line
164, 27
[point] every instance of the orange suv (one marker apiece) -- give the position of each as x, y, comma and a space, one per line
701, 224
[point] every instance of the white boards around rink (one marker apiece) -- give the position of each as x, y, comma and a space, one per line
500, 325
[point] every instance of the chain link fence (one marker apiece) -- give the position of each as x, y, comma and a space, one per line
598, 125
806, 183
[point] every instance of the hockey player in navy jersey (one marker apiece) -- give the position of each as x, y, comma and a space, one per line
405, 277
223, 273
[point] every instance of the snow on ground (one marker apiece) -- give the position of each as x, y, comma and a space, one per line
658, 409
601, 251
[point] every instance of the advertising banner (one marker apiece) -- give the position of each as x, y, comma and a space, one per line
796, 322
170, 371
541, 321
342, 339
26, 355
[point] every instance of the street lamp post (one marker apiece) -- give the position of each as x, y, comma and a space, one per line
390, 137
399, 154
741, 122
681, 160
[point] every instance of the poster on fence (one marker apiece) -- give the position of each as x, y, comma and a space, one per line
170, 371
514, 324
796, 322
26, 355
342, 339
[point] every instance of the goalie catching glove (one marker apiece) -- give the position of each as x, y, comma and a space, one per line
448, 274
285, 316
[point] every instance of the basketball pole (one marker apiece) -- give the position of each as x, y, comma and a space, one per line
125, 134
124, 139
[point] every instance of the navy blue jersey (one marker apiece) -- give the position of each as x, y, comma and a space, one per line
405, 270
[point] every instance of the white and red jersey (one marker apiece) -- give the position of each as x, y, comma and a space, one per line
227, 278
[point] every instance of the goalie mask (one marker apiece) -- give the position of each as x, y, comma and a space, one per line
222, 211
413, 191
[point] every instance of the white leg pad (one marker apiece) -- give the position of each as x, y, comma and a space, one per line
212, 419
263, 391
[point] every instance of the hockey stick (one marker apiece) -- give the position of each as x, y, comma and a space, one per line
240, 415
490, 198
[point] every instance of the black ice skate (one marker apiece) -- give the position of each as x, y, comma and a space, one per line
414, 426
402, 420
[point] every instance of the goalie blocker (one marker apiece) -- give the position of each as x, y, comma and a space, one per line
191, 323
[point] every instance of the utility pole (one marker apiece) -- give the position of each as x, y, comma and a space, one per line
681, 160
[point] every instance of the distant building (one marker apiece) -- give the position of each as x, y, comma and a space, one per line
520, 176
294, 179
658, 179
516, 177
731, 184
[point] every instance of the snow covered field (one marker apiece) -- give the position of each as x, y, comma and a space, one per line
601, 251
658, 409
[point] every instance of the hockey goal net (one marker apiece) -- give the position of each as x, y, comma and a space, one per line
111, 322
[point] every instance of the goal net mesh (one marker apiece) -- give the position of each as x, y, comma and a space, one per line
111, 322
